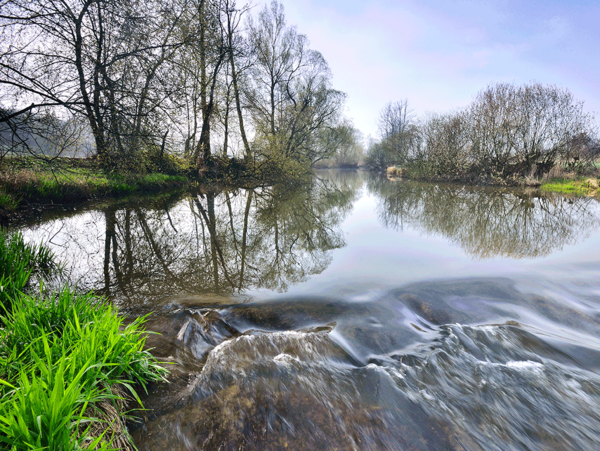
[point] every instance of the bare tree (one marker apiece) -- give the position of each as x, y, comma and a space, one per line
186, 76
290, 92
399, 137
397, 128
524, 129
508, 132
445, 146
101, 59
236, 47
341, 145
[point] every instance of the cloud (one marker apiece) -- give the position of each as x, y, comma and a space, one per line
439, 54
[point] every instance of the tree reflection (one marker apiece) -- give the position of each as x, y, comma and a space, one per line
224, 241
487, 222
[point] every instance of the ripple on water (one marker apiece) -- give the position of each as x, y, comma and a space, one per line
507, 397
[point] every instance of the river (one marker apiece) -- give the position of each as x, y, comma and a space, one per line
354, 313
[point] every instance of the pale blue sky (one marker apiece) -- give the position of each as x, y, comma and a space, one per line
439, 54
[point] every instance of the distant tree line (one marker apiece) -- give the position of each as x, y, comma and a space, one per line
508, 132
165, 83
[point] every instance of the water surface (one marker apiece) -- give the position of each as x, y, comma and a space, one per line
356, 313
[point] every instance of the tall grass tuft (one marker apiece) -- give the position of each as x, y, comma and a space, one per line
7, 202
18, 262
46, 410
64, 356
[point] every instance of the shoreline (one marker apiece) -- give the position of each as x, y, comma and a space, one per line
35, 186
588, 185
25, 189
76, 194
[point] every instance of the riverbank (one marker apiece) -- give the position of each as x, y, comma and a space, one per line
30, 185
69, 181
569, 184
68, 365
589, 186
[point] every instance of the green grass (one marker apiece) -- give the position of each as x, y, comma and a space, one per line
30, 181
580, 187
63, 357
19, 261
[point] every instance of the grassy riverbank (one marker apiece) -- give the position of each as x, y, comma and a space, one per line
70, 180
67, 363
580, 187
568, 183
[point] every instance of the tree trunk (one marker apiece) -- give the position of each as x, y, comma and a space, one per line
236, 90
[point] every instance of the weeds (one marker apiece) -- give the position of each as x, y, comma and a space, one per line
18, 262
7, 202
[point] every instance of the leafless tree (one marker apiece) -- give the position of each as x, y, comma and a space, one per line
189, 75
507, 132
289, 91
101, 59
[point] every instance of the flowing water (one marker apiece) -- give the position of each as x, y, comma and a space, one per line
355, 313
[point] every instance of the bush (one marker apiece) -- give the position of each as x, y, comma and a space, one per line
156, 160
274, 167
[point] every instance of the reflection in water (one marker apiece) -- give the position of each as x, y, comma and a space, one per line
226, 242
487, 222
213, 242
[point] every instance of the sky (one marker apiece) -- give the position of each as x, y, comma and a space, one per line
438, 54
